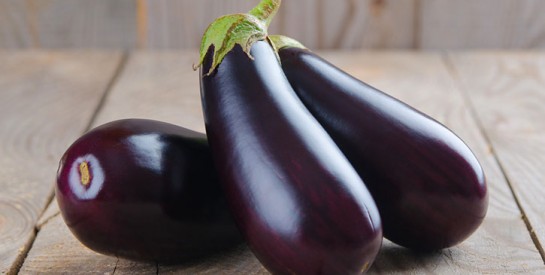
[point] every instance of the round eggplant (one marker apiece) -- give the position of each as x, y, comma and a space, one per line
144, 190
429, 187
297, 201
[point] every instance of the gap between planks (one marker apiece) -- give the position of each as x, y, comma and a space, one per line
118, 264
454, 74
51, 197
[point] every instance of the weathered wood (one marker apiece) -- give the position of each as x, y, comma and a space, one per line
14, 28
159, 24
51, 211
52, 256
67, 24
238, 261
181, 23
162, 86
166, 89
446, 24
154, 86
502, 244
46, 99
316, 23
377, 24
507, 91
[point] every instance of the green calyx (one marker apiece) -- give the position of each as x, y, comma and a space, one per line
281, 42
237, 29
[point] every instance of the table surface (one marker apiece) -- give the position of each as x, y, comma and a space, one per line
493, 100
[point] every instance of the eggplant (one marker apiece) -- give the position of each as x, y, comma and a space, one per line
144, 190
428, 185
297, 201
299, 204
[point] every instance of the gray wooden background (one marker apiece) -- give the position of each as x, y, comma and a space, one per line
346, 24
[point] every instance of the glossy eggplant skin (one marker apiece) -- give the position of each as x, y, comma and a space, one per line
429, 187
144, 190
297, 201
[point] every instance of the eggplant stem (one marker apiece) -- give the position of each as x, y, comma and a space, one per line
236, 29
266, 10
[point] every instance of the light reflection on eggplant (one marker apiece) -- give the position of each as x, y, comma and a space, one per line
429, 187
144, 190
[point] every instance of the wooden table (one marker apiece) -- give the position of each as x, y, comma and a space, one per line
494, 100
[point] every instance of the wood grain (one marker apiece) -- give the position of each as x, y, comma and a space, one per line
15, 31
53, 255
181, 23
46, 99
166, 78
316, 23
159, 86
502, 245
319, 24
163, 86
466, 24
508, 94
67, 24
51, 211
371, 24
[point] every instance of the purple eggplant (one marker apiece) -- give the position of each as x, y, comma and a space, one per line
429, 187
297, 201
144, 190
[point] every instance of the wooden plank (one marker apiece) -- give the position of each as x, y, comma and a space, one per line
300, 20
316, 23
375, 24
67, 24
181, 23
46, 101
155, 79
87, 261
502, 245
159, 24
56, 251
430, 24
238, 261
51, 211
160, 86
166, 78
482, 24
169, 89
46, 251
507, 91
154, 86
14, 29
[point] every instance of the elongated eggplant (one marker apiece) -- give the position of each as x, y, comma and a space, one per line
428, 185
297, 201
144, 190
